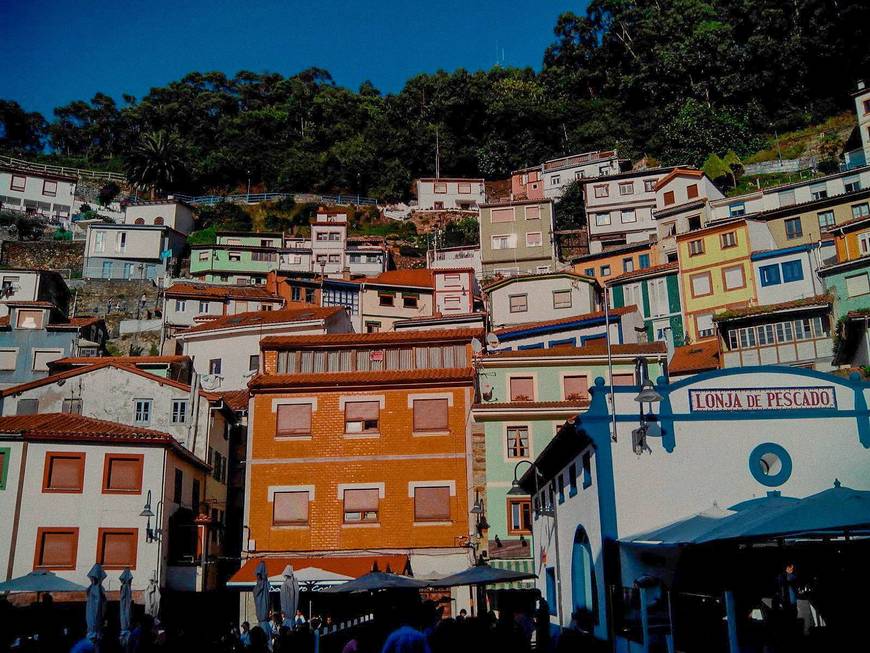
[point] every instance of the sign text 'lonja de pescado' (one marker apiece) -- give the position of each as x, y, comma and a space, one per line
811, 398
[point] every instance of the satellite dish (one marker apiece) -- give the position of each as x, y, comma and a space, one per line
210, 381
486, 389
476, 346
492, 340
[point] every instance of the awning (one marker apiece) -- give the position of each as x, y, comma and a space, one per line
316, 571
520, 565
483, 575
836, 511
374, 581
41, 581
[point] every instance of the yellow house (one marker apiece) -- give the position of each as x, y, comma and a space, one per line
852, 239
716, 271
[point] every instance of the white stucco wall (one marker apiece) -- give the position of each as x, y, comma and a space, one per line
810, 286
539, 298
175, 215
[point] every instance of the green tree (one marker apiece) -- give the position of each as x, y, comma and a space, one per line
570, 209
20, 132
157, 162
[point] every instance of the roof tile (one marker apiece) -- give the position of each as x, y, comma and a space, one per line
380, 338
262, 318
339, 379
623, 310
697, 357
589, 349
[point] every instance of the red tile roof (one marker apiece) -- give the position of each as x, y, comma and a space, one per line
84, 321
418, 278
678, 172
546, 275
750, 311
119, 360
589, 349
51, 425
28, 303
342, 379
655, 269
236, 400
698, 357
380, 338
566, 320
221, 292
263, 318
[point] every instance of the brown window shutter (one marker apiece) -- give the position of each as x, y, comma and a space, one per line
522, 389
65, 472
118, 549
294, 419
58, 549
431, 415
124, 474
623, 379
576, 386
290, 508
359, 411
361, 500
432, 503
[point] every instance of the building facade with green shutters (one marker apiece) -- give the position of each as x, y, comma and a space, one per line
525, 398
656, 293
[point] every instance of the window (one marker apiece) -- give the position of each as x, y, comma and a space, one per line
860, 210
63, 472
309, 295
361, 416
587, 469
769, 275
440, 188
502, 215
99, 241
522, 388
507, 241
122, 474
627, 216
669, 198
643, 261
431, 415
520, 516
555, 180
26, 319
293, 420
253, 362
71, 406
142, 411
589, 272
696, 247
18, 182
826, 219
409, 301
533, 239
733, 277
56, 548
575, 387
432, 503
518, 303
728, 239
701, 284
819, 192
626, 188
803, 329
602, 219
784, 332
178, 486
649, 185
551, 591
373, 327
561, 299
533, 213
234, 256
705, 325
736, 210
517, 441
852, 184
361, 505
692, 191
203, 307
290, 508
180, 305
121, 241
792, 271
4, 466
628, 265
856, 285
793, 228
463, 188
194, 497
49, 188
602, 191
214, 366
179, 411
765, 335
27, 407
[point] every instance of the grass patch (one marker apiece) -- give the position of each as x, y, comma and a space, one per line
752, 183
826, 140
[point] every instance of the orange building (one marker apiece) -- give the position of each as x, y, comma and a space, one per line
360, 446
613, 262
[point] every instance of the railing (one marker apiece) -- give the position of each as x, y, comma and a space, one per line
780, 165
855, 159
256, 198
63, 170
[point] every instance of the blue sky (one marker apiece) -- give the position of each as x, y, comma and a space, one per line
55, 51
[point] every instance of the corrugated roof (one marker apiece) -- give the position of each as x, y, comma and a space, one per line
750, 311
698, 357
339, 379
373, 339
589, 349
651, 271
262, 318
614, 312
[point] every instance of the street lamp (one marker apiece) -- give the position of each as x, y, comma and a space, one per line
647, 395
152, 534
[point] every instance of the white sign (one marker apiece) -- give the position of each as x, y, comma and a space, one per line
720, 399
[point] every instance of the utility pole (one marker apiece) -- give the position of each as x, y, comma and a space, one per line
437, 155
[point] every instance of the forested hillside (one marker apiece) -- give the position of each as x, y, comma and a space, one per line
673, 79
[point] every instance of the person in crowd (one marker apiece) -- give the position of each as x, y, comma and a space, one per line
299, 619
463, 615
245, 635
259, 640
787, 583
406, 640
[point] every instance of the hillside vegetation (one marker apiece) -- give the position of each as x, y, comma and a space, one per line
673, 79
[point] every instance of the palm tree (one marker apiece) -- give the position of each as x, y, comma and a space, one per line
156, 162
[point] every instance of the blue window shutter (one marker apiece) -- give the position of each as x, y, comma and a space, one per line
551, 589
769, 275
792, 271
643, 261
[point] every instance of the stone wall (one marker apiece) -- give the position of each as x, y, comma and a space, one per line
114, 300
66, 257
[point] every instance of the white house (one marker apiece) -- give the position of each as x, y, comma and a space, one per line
172, 213
226, 350
559, 173
446, 193
18, 285
463, 256
187, 304
131, 251
786, 274
39, 193
540, 297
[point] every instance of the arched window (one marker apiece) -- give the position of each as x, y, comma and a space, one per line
158, 220
584, 592
139, 221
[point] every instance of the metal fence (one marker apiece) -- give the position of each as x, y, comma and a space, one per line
256, 198
79, 173
780, 165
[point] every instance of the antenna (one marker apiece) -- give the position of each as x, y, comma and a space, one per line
437, 155
492, 340
476, 346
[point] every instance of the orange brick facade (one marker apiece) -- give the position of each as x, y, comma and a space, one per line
394, 460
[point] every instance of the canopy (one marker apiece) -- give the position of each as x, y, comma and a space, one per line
482, 575
315, 572
41, 581
376, 580
833, 511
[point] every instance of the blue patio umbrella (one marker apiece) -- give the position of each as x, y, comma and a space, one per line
482, 575
95, 608
289, 595
684, 531
261, 596
126, 607
41, 581
374, 581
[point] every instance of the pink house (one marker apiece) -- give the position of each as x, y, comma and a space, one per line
527, 184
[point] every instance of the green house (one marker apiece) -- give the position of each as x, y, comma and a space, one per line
525, 398
237, 257
656, 293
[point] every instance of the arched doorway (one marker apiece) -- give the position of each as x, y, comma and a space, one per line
584, 595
